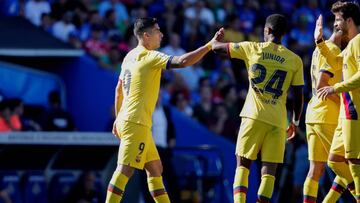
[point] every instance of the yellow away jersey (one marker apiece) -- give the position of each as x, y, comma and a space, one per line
140, 74
272, 68
323, 111
350, 86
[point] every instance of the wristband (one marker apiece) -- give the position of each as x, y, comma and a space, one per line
208, 45
319, 41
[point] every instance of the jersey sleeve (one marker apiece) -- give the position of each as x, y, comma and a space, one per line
238, 50
334, 60
325, 67
298, 79
160, 60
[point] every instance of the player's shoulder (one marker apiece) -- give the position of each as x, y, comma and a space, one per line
244, 44
355, 42
292, 56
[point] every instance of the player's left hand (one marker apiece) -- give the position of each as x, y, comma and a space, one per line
291, 131
114, 131
324, 92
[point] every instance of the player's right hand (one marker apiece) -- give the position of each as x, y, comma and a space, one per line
291, 131
318, 33
219, 35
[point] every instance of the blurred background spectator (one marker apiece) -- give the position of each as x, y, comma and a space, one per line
56, 118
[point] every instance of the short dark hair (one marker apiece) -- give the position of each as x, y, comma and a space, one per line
142, 24
347, 10
277, 23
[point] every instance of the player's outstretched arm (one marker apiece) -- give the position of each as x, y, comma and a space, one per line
297, 110
193, 57
331, 59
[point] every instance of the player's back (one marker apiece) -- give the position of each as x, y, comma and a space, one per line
140, 75
272, 68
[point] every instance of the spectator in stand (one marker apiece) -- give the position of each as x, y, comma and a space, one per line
112, 61
93, 19
173, 48
122, 16
247, 15
199, 11
85, 190
203, 110
96, 46
230, 100
17, 116
34, 9
110, 23
64, 27
222, 124
46, 23
302, 36
233, 31
180, 101
7, 121
74, 39
191, 74
56, 118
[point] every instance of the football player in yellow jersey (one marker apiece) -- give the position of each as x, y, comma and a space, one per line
135, 98
272, 69
347, 21
321, 121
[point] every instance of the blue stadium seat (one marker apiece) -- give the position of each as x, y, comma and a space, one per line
10, 181
35, 190
60, 186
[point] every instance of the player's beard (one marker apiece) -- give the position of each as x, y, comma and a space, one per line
345, 36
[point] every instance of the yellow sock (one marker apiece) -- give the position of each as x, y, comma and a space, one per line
240, 184
310, 190
336, 190
116, 187
355, 171
266, 188
157, 190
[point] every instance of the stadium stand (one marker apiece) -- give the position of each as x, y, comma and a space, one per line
87, 85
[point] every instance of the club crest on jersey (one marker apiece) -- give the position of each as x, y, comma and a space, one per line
138, 159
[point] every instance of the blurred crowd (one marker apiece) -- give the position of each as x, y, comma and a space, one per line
212, 91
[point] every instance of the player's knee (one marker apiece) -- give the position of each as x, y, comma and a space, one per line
268, 168
126, 170
316, 170
154, 169
336, 158
242, 161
